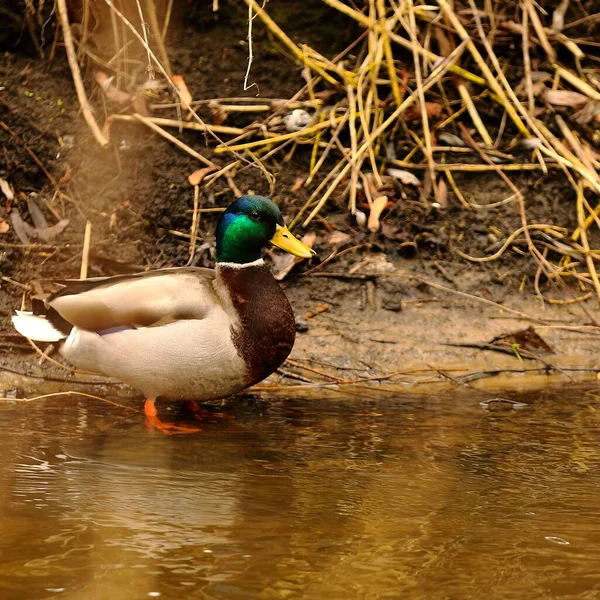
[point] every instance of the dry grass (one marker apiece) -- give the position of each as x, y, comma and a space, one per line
435, 82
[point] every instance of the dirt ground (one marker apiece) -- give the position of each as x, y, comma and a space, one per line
391, 306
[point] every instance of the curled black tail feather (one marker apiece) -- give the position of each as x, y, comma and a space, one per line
40, 308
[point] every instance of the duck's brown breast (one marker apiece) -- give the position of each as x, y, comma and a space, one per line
265, 333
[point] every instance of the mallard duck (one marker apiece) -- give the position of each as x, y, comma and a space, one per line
185, 333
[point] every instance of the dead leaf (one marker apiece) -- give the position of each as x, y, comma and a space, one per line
405, 177
527, 339
22, 229
443, 194
106, 127
389, 232
37, 216
427, 186
298, 184
377, 208
451, 139
6, 189
182, 88
197, 176
4, 226
413, 113
25, 230
68, 174
153, 85
591, 110
564, 98
285, 263
339, 238
325, 95
49, 233
218, 114
538, 80
538, 88
321, 308
537, 76
374, 264
530, 143
110, 91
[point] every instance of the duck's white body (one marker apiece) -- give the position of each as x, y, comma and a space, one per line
167, 333
150, 358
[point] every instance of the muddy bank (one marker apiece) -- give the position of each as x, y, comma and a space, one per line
390, 330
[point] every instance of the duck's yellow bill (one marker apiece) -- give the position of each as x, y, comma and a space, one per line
285, 240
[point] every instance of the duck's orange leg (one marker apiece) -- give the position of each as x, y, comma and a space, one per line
154, 422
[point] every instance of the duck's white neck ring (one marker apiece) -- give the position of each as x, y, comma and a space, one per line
233, 265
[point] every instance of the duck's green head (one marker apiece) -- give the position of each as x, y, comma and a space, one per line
250, 224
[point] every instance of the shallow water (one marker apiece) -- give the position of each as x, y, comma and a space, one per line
363, 496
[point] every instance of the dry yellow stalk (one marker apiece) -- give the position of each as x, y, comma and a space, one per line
85, 253
278, 32
158, 35
329, 146
435, 76
386, 27
275, 139
471, 168
195, 218
149, 123
184, 125
575, 144
539, 30
412, 29
371, 23
353, 148
489, 76
315, 148
457, 191
589, 260
563, 155
466, 98
554, 231
580, 84
591, 217
333, 172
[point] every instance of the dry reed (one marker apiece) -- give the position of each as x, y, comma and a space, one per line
428, 80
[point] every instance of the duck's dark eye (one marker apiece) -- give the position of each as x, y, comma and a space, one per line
254, 215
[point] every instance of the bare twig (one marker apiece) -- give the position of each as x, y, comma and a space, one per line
150, 123
72, 58
85, 254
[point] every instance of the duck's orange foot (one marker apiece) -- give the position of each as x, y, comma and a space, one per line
168, 428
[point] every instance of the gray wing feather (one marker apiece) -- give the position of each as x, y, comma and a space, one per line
140, 300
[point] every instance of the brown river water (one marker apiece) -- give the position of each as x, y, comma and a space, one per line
358, 495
